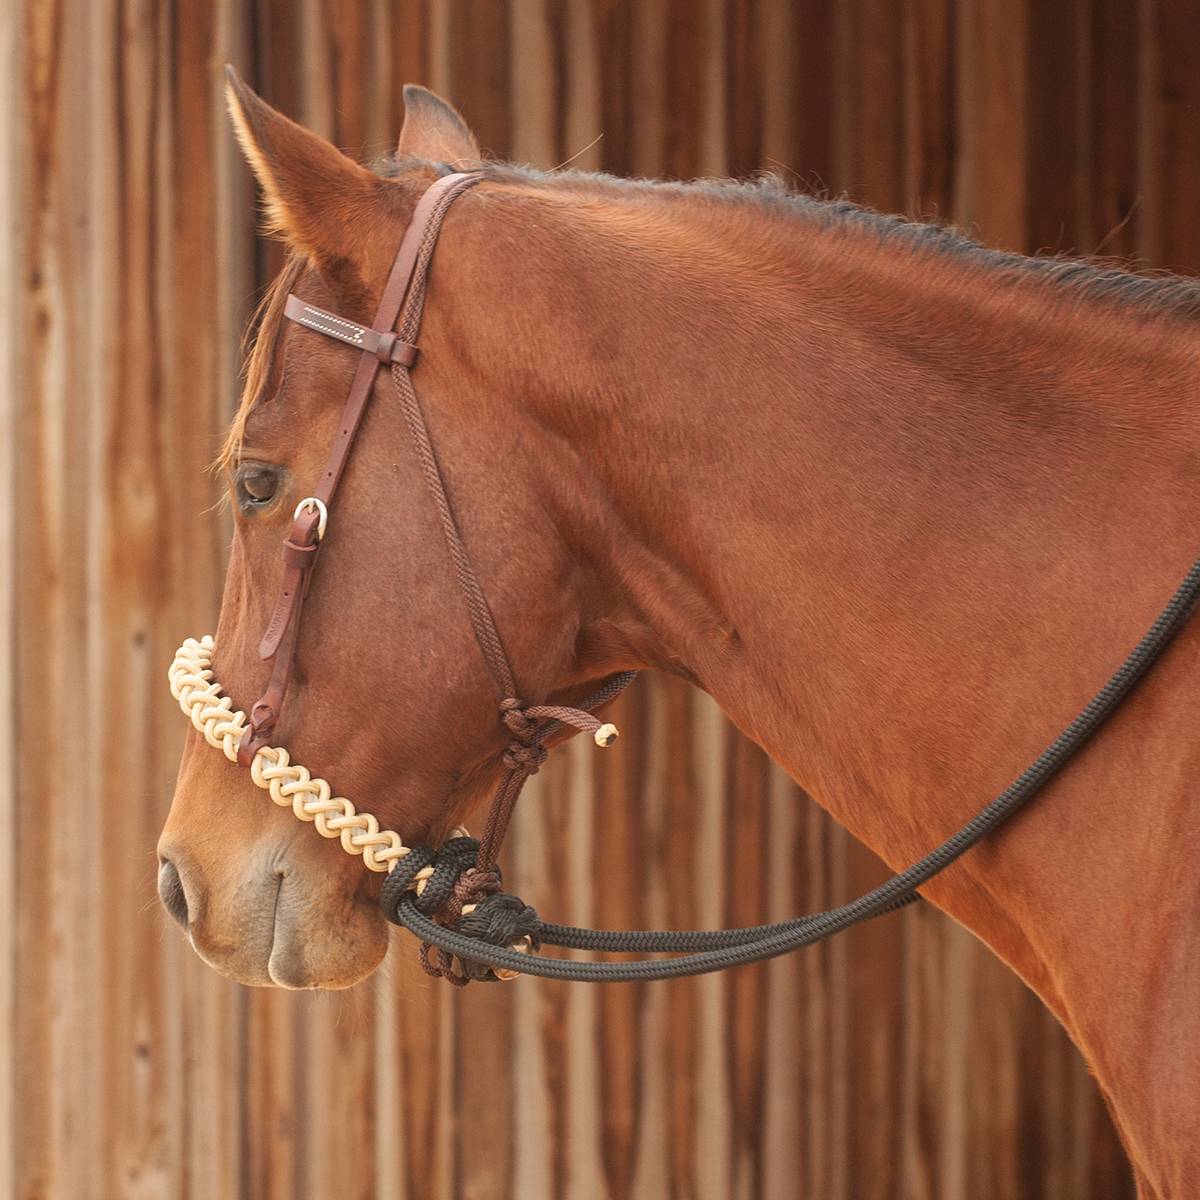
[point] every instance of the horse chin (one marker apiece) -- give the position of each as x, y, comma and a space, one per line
292, 930
324, 946
297, 958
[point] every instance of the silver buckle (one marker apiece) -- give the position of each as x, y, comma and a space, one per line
313, 504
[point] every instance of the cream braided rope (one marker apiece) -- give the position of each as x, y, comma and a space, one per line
289, 784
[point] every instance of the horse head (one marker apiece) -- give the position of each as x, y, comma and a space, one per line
389, 696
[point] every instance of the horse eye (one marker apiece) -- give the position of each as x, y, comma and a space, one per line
256, 484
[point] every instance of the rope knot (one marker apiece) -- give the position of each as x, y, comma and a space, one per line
462, 897
526, 757
516, 720
497, 920
473, 887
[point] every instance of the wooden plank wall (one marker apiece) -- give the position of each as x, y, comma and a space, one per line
901, 1061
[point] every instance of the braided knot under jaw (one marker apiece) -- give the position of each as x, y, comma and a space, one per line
473, 886
516, 720
449, 863
464, 898
436, 889
526, 757
497, 920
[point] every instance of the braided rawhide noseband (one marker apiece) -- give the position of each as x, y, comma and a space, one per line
451, 897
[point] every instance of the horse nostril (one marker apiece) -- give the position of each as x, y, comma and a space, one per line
171, 893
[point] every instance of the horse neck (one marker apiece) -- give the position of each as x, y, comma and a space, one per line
826, 474
899, 513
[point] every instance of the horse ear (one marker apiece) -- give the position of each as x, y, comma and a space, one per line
316, 198
433, 130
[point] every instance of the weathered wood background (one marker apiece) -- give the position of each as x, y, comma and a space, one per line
901, 1061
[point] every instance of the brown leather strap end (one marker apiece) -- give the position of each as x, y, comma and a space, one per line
281, 617
299, 555
249, 746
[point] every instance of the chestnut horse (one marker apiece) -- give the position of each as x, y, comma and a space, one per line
900, 504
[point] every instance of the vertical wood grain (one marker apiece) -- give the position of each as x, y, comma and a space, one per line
1173, 116
14, 151
1057, 206
992, 57
53, 432
1112, 116
930, 98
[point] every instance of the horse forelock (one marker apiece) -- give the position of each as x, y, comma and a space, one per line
261, 342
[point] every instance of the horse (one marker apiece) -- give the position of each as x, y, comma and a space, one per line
896, 501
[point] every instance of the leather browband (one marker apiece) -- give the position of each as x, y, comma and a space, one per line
386, 347
379, 345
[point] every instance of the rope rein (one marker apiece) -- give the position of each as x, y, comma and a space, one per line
451, 897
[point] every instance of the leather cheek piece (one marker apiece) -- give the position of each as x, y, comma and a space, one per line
301, 557
299, 554
380, 345
281, 617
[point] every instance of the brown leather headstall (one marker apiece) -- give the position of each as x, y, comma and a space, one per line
465, 871
380, 345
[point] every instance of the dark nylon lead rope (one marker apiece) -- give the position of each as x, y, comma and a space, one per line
718, 949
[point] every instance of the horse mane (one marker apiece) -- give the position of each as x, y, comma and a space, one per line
1147, 295
1144, 293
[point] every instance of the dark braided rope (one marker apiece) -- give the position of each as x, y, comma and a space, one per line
715, 950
